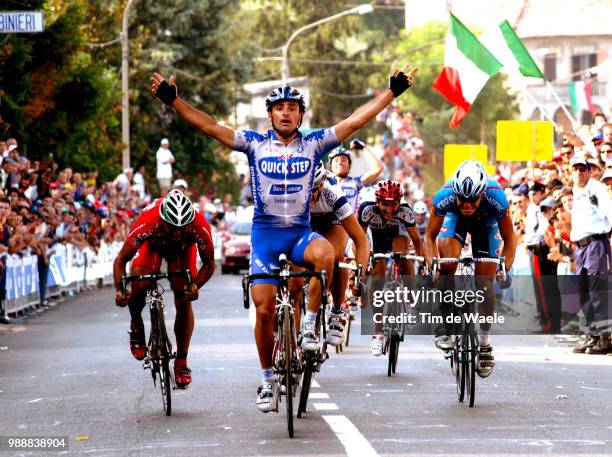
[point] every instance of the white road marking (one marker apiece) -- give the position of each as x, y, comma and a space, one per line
315, 383
353, 441
318, 395
325, 406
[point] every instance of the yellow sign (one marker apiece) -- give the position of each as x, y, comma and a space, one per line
521, 141
454, 154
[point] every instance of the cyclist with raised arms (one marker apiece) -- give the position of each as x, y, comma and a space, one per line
392, 225
340, 162
471, 203
169, 228
332, 216
282, 164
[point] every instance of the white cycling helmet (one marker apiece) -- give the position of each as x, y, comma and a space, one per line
420, 208
176, 209
319, 175
470, 180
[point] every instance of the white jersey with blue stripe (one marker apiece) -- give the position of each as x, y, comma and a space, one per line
281, 176
351, 187
332, 201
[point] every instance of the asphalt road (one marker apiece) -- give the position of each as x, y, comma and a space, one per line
69, 372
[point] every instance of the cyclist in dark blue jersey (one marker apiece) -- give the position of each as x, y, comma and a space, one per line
471, 203
282, 164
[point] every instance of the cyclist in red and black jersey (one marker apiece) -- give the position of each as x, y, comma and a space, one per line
171, 229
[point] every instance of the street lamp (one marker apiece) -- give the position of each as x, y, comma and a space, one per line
125, 113
361, 9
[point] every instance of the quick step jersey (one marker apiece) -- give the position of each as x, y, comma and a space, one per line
281, 176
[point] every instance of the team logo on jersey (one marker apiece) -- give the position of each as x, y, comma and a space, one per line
282, 189
293, 168
349, 192
443, 229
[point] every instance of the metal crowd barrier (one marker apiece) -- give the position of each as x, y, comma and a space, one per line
71, 271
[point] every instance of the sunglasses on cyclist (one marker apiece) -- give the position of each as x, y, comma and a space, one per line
468, 200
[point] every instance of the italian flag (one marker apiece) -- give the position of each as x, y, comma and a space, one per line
468, 65
507, 47
580, 96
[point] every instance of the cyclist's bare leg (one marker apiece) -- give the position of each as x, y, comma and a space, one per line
447, 247
377, 272
296, 289
338, 237
264, 298
319, 254
184, 322
485, 272
402, 244
139, 290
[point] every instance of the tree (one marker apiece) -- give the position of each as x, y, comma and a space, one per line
55, 99
187, 38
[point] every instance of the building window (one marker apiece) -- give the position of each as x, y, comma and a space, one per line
581, 62
550, 67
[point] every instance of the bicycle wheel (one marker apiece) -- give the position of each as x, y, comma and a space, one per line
347, 331
165, 383
471, 368
396, 341
307, 377
165, 379
461, 367
288, 372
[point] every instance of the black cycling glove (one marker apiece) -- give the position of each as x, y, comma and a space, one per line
357, 144
399, 83
167, 93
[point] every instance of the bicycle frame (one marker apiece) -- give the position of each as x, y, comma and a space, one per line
463, 357
159, 348
287, 359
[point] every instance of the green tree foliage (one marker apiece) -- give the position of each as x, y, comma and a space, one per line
336, 90
54, 98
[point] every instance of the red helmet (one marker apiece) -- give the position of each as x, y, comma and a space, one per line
390, 191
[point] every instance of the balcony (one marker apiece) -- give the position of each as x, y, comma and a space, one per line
541, 92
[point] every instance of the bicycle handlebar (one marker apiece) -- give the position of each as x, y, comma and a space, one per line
468, 260
125, 280
248, 279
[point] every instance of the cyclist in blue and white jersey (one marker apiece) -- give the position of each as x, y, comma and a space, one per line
340, 162
421, 217
331, 215
282, 164
471, 203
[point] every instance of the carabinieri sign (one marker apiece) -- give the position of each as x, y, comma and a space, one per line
21, 22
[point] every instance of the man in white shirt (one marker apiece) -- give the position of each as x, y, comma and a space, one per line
591, 232
123, 181
165, 159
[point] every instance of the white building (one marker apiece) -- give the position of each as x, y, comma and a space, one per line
568, 41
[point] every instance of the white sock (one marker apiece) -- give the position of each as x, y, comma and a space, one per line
310, 316
484, 339
267, 375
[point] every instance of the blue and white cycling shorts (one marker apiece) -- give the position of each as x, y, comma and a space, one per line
486, 239
269, 243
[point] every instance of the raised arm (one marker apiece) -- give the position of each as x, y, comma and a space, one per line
376, 168
167, 92
398, 83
